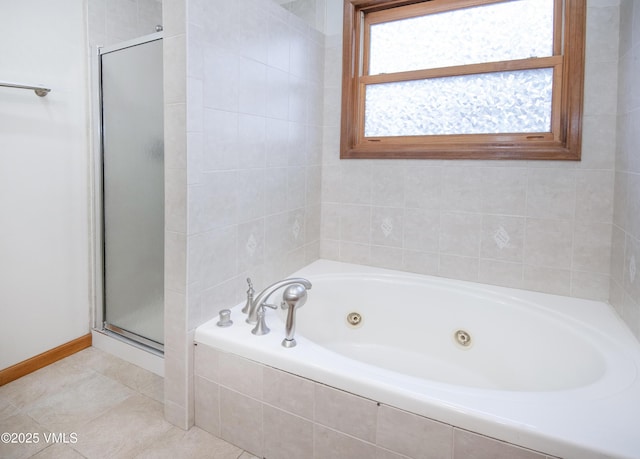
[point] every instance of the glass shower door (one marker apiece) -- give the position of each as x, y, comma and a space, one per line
133, 191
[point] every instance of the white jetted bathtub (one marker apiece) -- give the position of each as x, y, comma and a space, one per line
555, 374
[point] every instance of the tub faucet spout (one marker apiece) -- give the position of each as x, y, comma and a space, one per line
263, 296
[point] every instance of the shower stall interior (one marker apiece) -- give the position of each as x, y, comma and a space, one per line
132, 191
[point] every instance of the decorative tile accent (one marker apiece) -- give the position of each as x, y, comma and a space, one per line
501, 238
251, 245
295, 229
387, 227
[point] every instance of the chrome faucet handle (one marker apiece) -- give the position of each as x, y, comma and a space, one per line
225, 318
250, 292
261, 326
263, 296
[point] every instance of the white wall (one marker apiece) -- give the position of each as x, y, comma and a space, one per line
44, 221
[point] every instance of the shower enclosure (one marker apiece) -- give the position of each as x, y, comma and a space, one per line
133, 190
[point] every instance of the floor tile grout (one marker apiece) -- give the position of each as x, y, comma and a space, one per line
114, 409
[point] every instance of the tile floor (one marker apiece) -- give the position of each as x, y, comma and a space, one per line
94, 405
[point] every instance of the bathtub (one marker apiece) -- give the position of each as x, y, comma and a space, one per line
554, 374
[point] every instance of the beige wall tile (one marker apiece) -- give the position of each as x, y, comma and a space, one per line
345, 412
421, 262
288, 392
617, 254
631, 276
460, 234
633, 203
601, 86
456, 267
286, 436
387, 186
355, 224
592, 247
548, 243
386, 257
468, 445
423, 187
175, 266
548, 280
594, 196
207, 408
329, 443
551, 193
411, 435
598, 149
382, 453
590, 286
176, 414
506, 274
240, 374
504, 190
461, 188
421, 230
355, 182
242, 421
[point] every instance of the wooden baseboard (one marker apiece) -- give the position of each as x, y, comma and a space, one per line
42, 360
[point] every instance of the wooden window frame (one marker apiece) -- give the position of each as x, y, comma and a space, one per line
563, 143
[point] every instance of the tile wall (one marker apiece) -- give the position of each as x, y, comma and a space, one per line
243, 135
255, 186
542, 226
625, 255
275, 414
112, 22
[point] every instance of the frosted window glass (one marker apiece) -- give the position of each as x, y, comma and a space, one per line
498, 32
503, 102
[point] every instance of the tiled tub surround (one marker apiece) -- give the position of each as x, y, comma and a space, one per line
278, 415
243, 114
568, 385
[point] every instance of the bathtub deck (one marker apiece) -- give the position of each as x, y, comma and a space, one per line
596, 419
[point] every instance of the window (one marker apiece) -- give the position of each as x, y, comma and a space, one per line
463, 79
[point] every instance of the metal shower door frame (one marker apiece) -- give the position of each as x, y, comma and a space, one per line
99, 294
